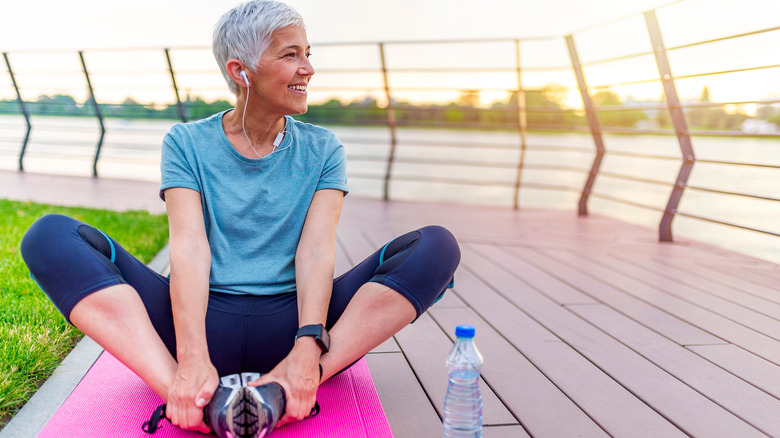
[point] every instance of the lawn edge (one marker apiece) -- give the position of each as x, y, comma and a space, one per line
42, 406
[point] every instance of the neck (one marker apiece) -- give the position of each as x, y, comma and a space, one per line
252, 134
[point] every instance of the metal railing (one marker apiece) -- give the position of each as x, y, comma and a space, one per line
387, 83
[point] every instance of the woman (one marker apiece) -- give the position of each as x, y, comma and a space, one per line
253, 199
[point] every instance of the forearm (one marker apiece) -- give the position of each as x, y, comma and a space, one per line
314, 278
189, 299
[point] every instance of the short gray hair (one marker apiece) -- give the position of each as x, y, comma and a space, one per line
244, 33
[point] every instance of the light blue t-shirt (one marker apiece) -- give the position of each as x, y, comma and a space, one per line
254, 209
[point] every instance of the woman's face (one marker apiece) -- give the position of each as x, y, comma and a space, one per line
283, 72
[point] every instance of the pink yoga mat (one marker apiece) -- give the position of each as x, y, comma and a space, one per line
111, 401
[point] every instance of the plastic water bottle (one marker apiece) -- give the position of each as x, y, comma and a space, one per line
463, 402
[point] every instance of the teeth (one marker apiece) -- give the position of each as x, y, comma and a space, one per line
298, 87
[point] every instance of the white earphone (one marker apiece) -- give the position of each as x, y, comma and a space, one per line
279, 137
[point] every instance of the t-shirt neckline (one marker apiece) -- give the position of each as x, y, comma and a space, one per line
260, 161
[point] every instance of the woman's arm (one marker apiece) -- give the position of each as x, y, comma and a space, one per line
315, 257
190, 257
299, 372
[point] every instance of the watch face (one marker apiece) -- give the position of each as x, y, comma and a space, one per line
325, 339
318, 332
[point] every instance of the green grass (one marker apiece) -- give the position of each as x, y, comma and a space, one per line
34, 337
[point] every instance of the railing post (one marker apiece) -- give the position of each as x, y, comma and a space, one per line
680, 126
593, 124
522, 124
97, 113
390, 123
179, 105
24, 112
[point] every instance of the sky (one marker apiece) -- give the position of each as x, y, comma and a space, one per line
84, 24
34, 25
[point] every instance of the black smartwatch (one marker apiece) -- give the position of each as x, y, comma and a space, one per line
318, 332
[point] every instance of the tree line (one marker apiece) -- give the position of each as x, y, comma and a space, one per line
544, 111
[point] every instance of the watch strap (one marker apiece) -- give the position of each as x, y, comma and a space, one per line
318, 332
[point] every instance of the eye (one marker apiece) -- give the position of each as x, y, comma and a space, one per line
308, 54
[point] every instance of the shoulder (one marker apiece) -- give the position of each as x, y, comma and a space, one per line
311, 132
317, 141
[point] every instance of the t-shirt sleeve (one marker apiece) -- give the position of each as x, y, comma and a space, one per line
175, 169
334, 173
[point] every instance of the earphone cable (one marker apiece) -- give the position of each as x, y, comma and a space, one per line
243, 128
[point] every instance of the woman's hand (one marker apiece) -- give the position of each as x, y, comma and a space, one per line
193, 385
299, 375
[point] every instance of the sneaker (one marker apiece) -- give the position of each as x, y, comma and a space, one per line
225, 405
240, 411
265, 404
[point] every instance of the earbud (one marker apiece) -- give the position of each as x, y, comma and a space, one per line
243, 75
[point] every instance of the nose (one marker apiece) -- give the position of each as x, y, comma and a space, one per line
306, 69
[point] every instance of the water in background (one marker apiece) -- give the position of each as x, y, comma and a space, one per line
131, 150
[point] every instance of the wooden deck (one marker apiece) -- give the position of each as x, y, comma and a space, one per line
588, 326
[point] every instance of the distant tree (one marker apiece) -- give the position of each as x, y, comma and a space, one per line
372, 111
130, 109
705, 117
544, 108
468, 99
454, 114
196, 109
713, 117
770, 113
620, 117
775, 119
10, 106
59, 104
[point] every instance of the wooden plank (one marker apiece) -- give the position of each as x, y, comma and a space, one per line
406, 406
745, 401
747, 366
548, 285
608, 403
342, 263
506, 432
354, 244
703, 270
426, 347
105, 193
450, 300
485, 223
730, 304
724, 328
743, 261
670, 326
765, 276
768, 305
690, 412
389, 346
559, 417
543, 409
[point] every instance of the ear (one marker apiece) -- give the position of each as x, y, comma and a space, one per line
234, 69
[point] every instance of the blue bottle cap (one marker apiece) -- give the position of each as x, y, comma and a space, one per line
464, 331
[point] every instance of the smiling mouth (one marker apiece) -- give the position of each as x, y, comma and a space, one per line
297, 87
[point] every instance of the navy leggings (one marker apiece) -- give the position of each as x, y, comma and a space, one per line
71, 260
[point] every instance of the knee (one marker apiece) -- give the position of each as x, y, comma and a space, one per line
42, 233
443, 241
